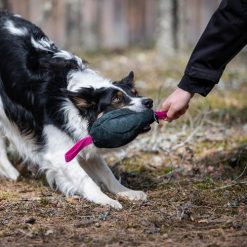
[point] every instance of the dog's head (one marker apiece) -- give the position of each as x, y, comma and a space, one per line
94, 96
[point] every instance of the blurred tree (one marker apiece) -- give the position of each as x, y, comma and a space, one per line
165, 34
173, 25
171, 31
4, 4
73, 23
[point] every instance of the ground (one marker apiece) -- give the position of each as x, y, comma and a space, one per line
193, 170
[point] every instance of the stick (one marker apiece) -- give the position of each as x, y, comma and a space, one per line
234, 182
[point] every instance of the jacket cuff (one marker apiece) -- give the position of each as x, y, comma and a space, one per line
196, 85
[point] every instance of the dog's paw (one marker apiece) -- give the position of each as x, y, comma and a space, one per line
11, 174
14, 176
104, 200
114, 204
133, 195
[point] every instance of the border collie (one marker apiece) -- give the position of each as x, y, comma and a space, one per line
49, 99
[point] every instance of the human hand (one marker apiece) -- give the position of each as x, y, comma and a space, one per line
176, 104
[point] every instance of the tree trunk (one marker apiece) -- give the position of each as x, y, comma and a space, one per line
4, 5
171, 27
165, 42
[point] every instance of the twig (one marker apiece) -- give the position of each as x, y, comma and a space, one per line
234, 182
242, 173
225, 186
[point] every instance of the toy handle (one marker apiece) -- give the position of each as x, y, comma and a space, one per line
70, 155
161, 115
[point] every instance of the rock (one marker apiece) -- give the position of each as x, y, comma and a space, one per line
49, 232
156, 161
97, 224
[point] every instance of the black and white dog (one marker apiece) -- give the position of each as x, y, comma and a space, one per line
49, 98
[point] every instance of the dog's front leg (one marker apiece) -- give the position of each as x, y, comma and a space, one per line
100, 172
70, 178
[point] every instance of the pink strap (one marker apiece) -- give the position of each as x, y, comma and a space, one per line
70, 155
161, 115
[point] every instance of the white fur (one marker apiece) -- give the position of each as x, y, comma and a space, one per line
18, 16
43, 44
67, 56
10, 26
6, 168
136, 104
24, 144
46, 44
64, 54
86, 79
77, 126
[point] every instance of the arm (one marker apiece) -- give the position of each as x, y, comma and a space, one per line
224, 36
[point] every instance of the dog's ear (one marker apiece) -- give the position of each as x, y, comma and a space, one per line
128, 80
84, 98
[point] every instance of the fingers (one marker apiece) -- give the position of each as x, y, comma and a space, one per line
165, 106
174, 113
171, 114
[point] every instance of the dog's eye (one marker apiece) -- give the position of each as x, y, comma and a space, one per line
116, 100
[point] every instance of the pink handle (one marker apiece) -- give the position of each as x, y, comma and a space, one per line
161, 115
70, 155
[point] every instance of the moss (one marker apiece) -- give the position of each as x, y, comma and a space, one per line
132, 165
242, 140
167, 170
44, 201
206, 184
4, 195
209, 145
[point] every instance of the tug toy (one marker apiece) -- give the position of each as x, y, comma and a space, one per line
115, 129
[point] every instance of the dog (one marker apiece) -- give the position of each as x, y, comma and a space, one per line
49, 99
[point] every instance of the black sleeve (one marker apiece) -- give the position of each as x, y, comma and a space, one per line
224, 36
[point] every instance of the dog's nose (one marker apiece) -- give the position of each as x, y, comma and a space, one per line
148, 103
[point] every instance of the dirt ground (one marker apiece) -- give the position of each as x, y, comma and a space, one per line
194, 172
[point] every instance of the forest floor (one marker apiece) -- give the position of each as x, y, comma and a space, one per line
194, 171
